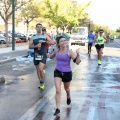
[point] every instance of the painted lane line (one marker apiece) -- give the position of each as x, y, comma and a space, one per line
39, 106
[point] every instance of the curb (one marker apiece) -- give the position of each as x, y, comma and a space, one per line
9, 60
2, 79
39, 106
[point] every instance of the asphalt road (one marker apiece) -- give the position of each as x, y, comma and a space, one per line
20, 92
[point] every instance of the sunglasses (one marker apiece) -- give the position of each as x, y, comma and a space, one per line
43, 29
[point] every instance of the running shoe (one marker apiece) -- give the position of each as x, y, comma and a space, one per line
41, 85
57, 112
99, 62
68, 101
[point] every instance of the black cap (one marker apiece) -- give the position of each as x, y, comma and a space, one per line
43, 29
101, 30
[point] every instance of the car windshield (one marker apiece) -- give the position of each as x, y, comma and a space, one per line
80, 31
19, 35
1, 36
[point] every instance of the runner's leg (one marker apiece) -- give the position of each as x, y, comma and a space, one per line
42, 80
58, 82
90, 48
41, 68
101, 52
67, 89
38, 72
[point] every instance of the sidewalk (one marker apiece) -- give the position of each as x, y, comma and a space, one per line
6, 54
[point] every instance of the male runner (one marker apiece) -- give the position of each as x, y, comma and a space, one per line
38, 43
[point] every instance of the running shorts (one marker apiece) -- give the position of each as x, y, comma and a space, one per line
44, 59
99, 46
65, 76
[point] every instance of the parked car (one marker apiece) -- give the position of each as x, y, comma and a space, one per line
21, 36
18, 40
2, 39
9, 37
118, 37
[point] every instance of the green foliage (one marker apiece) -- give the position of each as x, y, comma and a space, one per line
6, 8
118, 30
64, 13
28, 13
6, 11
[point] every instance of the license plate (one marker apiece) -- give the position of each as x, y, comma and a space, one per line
78, 41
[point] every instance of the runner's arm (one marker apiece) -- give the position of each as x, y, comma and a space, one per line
105, 39
31, 46
52, 55
75, 56
49, 40
95, 38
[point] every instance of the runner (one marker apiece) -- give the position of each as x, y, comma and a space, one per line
62, 72
111, 38
38, 43
100, 39
90, 41
44, 32
47, 45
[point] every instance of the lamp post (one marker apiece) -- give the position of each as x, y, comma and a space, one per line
13, 25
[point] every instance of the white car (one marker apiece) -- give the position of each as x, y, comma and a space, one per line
79, 36
2, 39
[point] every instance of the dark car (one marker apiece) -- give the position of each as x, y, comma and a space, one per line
118, 37
21, 36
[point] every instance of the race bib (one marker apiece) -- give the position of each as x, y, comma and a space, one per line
90, 40
38, 57
99, 41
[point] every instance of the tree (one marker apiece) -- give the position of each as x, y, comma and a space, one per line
52, 13
118, 30
64, 16
6, 11
28, 14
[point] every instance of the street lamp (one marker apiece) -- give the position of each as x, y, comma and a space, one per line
13, 25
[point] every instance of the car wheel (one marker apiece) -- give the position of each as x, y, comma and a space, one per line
3, 42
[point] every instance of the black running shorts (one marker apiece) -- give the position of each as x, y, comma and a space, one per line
99, 46
90, 44
44, 59
65, 76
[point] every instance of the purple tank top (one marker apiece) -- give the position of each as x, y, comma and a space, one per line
63, 62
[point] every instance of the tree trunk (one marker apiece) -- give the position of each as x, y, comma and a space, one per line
63, 29
57, 30
6, 32
27, 30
